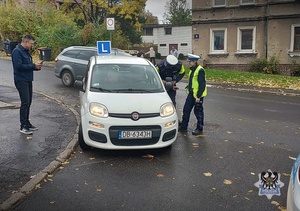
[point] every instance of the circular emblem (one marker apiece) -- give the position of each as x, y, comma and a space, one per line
135, 116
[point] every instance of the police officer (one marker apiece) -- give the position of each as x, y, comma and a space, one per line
171, 67
196, 91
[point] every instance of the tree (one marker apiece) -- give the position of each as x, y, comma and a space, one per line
149, 18
127, 14
177, 12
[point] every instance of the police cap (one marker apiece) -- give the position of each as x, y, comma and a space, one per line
193, 57
172, 60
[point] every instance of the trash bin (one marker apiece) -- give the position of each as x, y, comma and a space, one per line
9, 47
44, 53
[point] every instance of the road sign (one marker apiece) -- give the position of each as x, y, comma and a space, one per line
110, 23
103, 47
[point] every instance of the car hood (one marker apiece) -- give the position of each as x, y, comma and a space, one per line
127, 102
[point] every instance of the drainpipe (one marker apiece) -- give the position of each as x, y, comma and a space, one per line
266, 27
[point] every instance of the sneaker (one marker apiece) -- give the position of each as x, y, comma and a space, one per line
197, 132
33, 128
183, 130
26, 131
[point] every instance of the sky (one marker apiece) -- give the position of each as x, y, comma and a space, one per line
157, 8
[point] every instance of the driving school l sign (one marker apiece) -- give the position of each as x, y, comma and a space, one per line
110, 23
103, 47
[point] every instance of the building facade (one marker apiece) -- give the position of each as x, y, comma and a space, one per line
164, 36
229, 34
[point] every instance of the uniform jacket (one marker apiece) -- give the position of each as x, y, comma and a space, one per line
197, 82
176, 72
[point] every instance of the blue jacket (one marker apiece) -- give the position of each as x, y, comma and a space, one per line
22, 64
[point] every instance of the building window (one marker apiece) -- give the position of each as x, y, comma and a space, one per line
218, 41
183, 44
246, 39
219, 3
148, 31
168, 31
162, 45
246, 2
295, 39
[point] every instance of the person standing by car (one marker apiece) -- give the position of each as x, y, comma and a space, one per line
196, 91
152, 55
23, 76
171, 67
174, 52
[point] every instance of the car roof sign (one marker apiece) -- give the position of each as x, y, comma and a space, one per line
103, 47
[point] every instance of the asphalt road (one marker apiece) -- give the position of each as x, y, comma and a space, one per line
245, 134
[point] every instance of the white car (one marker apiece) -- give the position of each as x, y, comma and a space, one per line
293, 195
125, 105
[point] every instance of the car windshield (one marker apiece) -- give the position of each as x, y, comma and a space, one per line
125, 78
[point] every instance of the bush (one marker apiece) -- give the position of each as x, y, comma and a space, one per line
158, 55
181, 56
258, 65
295, 71
262, 65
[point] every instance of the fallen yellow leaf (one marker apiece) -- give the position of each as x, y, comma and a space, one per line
228, 132
292, 158
92, 158
275, 203
160, 175
208, 174
38, 186
52, 202
227, 182
66, 162
286, 174
148, 156
29, 138
98, 190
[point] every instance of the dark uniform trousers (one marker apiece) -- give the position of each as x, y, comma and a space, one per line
172, 95
190, 103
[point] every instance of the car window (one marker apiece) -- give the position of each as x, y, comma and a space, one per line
86, 54
71, 53
125, 78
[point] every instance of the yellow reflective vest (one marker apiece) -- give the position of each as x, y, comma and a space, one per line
195, 84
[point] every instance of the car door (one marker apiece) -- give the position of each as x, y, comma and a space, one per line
82, 61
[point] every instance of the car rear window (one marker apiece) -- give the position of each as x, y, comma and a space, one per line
71, 53
86, 54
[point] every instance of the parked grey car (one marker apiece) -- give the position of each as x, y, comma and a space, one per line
72, 62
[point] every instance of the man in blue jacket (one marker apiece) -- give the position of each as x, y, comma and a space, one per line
23, 77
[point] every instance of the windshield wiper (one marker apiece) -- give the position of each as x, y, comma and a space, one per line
132, 90
101, 89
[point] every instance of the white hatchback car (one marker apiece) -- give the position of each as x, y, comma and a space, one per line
293, 195
124, 105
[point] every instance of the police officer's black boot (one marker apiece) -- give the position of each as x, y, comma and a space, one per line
197, 132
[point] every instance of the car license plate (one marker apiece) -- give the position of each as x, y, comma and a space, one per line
135, 134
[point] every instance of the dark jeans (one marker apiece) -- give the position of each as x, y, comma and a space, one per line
189, 104
25, 93
152, 59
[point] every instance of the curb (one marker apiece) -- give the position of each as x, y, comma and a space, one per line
19, 196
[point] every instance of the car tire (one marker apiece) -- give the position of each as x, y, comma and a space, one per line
67, 78
81, 142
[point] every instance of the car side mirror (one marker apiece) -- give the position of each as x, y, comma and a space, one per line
79, 84
169, 83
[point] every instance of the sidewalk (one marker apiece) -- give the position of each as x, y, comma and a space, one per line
26, 160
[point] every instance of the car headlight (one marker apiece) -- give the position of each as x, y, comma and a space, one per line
98, 110
167, 109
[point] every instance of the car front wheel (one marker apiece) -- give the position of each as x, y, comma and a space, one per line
81, 142
67, 78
